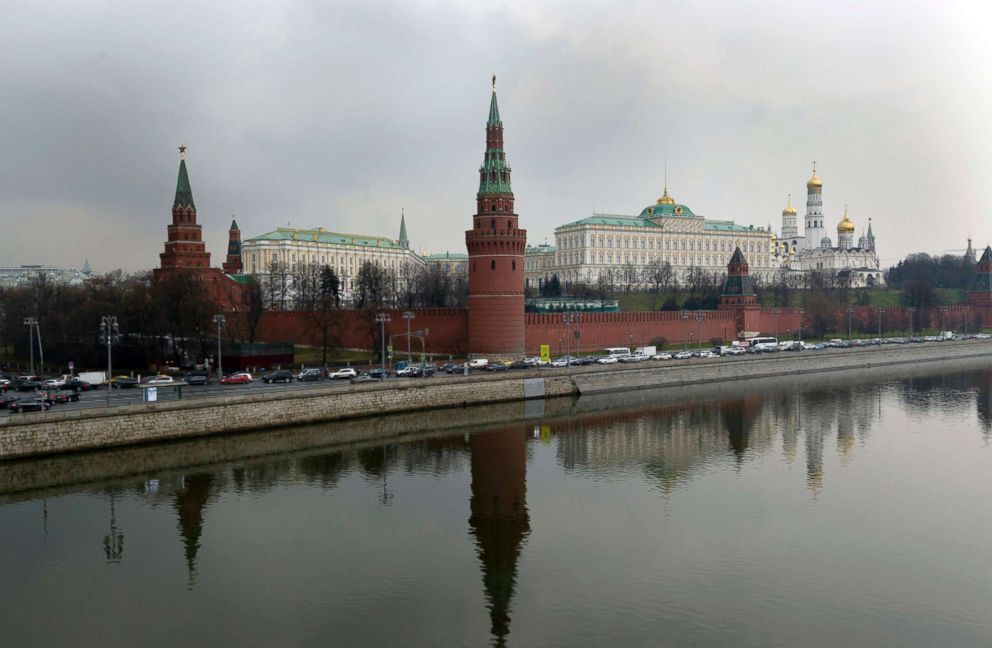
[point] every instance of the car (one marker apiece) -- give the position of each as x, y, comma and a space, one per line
310, 375
450, 367
9, 400
78, 385
662, 356
160, 380
197, 379
683, 355
53, 383
344, 372
520, 364
35, 404
283, 375
734, 351
62, 397
27, 385
362, 378
706, 354
123, 382
607, 360
406, 372
379, 373
239, 378
498, 366
478, 363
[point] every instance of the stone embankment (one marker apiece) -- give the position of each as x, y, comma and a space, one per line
55, 432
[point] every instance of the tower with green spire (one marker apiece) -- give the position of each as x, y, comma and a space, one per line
496, 255
184, 248
233, 265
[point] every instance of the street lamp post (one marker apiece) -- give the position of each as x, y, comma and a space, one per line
567, 319
108, 334
777, 312
910, 311
408, 315
966, 309
219, 321
382, 318
850, 311
699, 335
685, 318
801, 312
879, 311
943, 312
31, 322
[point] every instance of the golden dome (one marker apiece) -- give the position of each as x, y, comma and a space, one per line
814, 182
666, 199
845, 225
790, 210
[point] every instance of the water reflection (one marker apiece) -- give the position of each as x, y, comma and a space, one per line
665, 443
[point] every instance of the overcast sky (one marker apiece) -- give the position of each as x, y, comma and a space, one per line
339, 114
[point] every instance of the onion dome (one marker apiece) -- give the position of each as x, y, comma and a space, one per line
790, 210
845, 226
666, 199
814, 182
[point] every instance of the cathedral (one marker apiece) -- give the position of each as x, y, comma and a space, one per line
799, 256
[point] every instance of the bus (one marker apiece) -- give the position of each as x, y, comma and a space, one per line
617, 352
759, 344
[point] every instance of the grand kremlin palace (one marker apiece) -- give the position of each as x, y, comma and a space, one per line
665, 231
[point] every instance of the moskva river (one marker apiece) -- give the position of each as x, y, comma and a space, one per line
840, 510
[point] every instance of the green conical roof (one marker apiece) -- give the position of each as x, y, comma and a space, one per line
494, 110
234, 224
403, 238
184, 195
738, 257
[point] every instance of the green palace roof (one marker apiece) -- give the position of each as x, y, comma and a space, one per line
540, 249
320, 235
648, 222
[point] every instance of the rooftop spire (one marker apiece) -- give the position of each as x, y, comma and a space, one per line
403, 240
184, 195
494, 119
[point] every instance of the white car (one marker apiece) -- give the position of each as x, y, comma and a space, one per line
346, 372
707, 354
683, 355
607, 360
478, 363
559, 362
160, 380
735, 351
662, 356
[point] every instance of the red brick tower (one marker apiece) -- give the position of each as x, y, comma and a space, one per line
496, 255
233, 263
184, 249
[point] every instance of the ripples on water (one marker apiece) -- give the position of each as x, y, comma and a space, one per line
838, 511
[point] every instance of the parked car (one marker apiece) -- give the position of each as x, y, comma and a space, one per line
498, 366
239, 378
123, 382
197, 379
27, 384
406, 372
662, 356
520, 364
160, 380
78, 385
683, 355
53, 383
310, 375
450, 367
344, 372
363, 378
379, 373
478, 363
607, 360
9, 400
62, 397
706, 354
283, 375
734, 350
32, 404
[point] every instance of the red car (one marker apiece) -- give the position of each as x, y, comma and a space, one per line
240, 378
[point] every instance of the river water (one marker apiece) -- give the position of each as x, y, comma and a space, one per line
840, 510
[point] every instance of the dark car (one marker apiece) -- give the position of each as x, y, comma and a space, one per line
498, 366
28, 385
283, 375
53, 397
197, 379
78, 385
310, 375
379, 373
124, 382
362, 378
520, 364
31, 404
9, 400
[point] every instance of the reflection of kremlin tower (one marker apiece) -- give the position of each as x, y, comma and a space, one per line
815, 232
499, 520
190, 503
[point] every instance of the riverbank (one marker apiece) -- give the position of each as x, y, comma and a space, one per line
55, 432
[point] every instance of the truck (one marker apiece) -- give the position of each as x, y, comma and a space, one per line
646, 351
93, 377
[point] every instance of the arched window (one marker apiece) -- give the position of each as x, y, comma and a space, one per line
514, 265
493, 224
492, 264
509, 224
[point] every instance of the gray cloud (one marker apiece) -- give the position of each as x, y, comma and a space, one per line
340, 114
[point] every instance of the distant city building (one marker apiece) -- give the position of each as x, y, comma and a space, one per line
13, 276
665, 232
814, 251
450, 262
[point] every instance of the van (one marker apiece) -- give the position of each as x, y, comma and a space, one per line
478, 363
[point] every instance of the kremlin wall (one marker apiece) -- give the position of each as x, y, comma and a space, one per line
495, 325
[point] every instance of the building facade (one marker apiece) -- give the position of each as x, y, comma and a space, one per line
14, 276
665, 232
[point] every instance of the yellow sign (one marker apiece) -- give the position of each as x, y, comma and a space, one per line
545, 353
